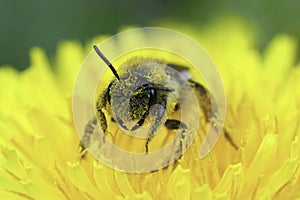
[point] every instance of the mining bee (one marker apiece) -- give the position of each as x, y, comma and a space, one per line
137, 85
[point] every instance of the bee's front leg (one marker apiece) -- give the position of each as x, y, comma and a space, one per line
85, 140
90, 127
157, 113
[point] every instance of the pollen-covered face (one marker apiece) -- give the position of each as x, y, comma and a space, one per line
134, 94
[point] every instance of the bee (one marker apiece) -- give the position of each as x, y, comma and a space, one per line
136, 95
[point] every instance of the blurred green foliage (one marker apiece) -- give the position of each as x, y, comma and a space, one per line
45, 23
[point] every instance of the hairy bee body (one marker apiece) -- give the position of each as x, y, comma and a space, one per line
147, 93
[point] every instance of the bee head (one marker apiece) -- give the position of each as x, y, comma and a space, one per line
134, 93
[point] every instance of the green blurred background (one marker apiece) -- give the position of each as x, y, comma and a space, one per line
29, 23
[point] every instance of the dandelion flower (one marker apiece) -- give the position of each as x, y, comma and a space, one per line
39, 145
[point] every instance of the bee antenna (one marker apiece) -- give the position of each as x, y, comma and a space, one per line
107, 62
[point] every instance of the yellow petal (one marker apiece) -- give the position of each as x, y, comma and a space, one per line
265, 155
123, 183
179, 184
41, 88
203, 192
69, 57
81, 180
279, 56
232, 181
10, 92
101, 178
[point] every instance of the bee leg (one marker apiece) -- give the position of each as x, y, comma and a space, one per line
210, 114
138, 124
205, 99
85, 140
101, 103
158, 115
90, 127
174, 124
103, 122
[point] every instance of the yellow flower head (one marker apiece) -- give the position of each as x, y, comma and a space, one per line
39, 144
